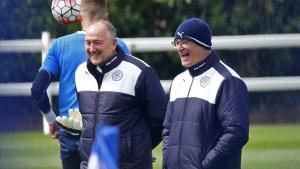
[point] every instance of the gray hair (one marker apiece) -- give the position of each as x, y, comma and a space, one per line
110, 27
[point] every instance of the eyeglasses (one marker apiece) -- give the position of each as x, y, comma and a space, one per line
179, 43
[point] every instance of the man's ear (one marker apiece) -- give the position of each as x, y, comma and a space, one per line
114, 43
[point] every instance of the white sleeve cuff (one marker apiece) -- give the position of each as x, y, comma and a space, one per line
50, 116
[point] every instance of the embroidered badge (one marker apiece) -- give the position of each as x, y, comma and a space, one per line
204, 81
117, 75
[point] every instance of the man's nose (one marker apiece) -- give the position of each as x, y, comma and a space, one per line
179, 47
92, 47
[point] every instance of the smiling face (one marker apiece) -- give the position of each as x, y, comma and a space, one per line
190, 53
100, 45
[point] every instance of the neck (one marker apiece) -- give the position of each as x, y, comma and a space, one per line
206, 53
203, 54
85, 24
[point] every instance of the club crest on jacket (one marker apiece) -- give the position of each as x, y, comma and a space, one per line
204, 81
117, 75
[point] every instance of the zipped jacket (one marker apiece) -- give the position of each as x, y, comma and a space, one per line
206, 122
125, 92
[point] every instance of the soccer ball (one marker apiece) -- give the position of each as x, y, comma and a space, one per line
66, 11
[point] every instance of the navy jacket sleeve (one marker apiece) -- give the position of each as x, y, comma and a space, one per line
154, 103
232, 108
39, 90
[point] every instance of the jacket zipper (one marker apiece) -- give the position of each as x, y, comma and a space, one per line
181, 128
99, 79
95, 115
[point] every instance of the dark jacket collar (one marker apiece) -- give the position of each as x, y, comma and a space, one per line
204, 65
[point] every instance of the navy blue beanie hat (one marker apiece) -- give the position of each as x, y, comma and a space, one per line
195, 30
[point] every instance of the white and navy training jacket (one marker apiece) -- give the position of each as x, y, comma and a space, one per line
126, 92
206, 122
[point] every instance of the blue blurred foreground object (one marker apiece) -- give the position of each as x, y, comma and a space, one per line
104, 153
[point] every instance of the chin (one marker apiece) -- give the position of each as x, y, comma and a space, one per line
95, 62
185, 64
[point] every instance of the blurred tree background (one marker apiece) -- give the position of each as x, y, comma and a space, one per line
159, 18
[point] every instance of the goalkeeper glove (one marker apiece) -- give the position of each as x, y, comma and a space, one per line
71, 124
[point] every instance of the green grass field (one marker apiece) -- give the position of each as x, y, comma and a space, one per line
269, 147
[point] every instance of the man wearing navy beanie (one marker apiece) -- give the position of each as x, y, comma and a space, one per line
195, 30
206, 123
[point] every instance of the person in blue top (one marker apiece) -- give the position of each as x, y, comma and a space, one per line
62, 59
206, 123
